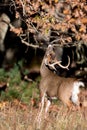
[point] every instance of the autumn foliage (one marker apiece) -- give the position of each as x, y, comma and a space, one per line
66, 18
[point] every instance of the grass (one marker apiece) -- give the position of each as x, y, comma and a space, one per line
17, 111
13, 117
17, 88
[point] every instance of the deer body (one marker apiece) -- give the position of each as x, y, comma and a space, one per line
59, 87
65, 89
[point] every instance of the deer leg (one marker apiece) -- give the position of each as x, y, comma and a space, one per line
41, 106
42, 102
48, 103
69, 108
47, 106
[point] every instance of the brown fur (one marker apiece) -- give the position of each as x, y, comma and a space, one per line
54, 85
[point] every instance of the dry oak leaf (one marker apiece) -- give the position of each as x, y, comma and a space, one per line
84, 37
66, 12
56, 1
82, 28
72, 20
84, 20
78, 36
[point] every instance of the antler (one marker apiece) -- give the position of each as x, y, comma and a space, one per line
52, 65
64, 67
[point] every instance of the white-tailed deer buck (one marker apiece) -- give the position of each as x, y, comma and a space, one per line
54, 86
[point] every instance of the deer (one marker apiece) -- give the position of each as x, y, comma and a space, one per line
53, 86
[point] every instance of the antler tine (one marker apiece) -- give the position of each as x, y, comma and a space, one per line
64, 67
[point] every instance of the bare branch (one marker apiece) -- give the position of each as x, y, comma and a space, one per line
31, 45
23, 5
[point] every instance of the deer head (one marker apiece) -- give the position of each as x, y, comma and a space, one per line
51, 59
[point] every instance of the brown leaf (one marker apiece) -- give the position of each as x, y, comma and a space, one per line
76, 13
84, 37
78, 36
66, 12
82, 28
72, 20
84, 20
68, 39
17, 31
56, 1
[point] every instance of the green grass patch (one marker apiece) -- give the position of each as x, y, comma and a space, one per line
17, 88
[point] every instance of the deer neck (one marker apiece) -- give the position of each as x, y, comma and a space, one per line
44, 71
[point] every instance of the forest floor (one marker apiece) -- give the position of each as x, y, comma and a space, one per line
17, 116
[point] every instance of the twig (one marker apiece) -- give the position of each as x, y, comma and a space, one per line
12, 4
33, 27
30, 45
23, 5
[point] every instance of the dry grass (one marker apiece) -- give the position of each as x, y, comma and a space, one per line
18, 117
